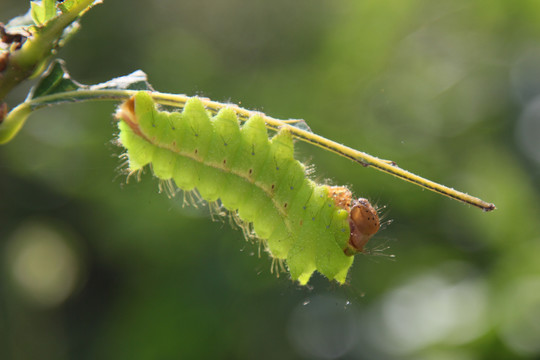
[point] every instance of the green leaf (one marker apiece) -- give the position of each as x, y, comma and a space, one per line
37, 12
68, 5
50, 9
55, 80
43, 11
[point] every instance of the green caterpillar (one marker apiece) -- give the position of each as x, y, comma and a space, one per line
310, 227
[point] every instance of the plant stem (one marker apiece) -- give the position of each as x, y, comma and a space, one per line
179, 101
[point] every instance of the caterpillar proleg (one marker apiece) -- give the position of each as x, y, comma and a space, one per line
309, 226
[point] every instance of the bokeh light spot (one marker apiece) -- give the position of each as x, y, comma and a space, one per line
42, 264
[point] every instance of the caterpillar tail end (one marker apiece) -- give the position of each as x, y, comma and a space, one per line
126, 113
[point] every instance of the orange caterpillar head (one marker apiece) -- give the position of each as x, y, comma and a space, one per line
364, 222
363, 218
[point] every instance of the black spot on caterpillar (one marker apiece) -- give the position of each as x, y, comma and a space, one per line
310, 227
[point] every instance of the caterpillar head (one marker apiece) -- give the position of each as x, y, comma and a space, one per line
364, 223
364, 220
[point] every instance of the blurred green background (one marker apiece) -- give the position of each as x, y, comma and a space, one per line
94, 268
